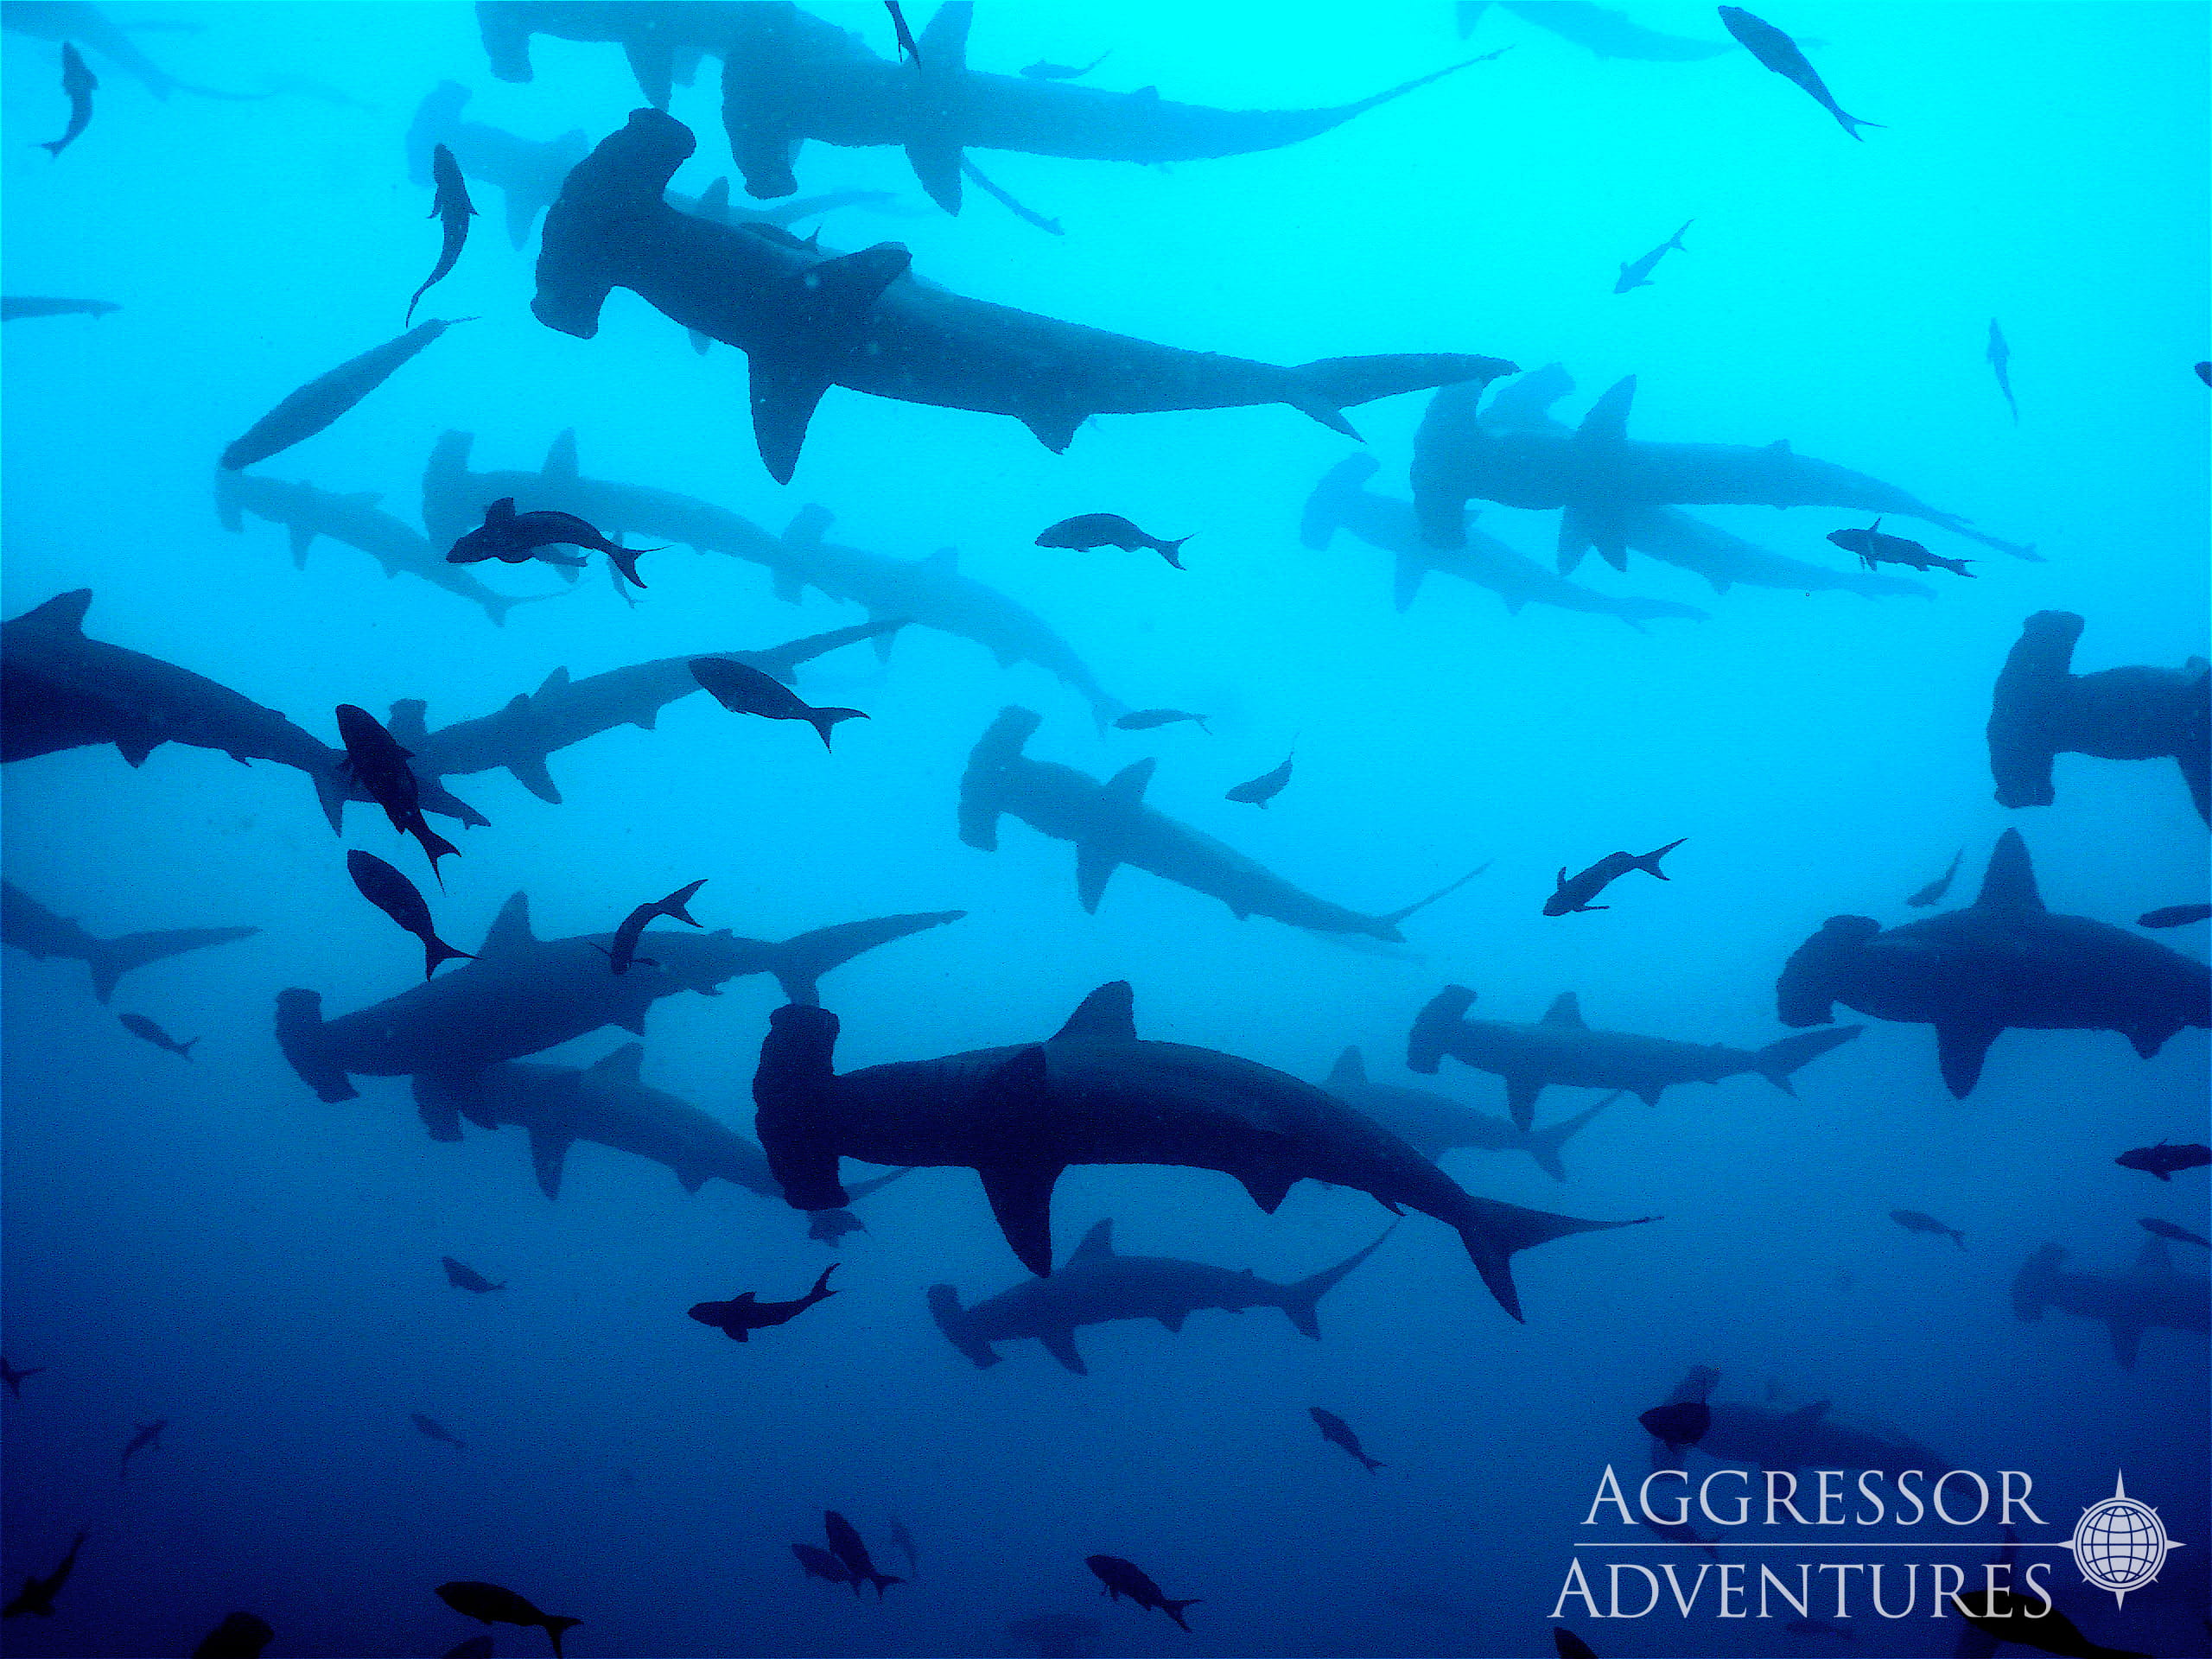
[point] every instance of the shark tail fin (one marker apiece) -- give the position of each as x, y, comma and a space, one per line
1430, 1040
1327, 508
799, 962
1777, 1060
952, 1319
300, 1033
1543, 1145
1174, 1609
1494, 1233
553, 1626
112, 958
1386, 927
2037, 1282
1324, 388
1302, 1301
824, 719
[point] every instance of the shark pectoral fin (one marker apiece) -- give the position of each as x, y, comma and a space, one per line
1095, 864
548, 1151
936, 160
521, 218
1960, 1049
437, 1107
1054, 428
1060, 1344
1405, 580
530, 772
301, 538
1022, 1199
1268, 1187
1175, 1321
2126, 1339
1574, 540
785, 390
1520, 1092
699, 342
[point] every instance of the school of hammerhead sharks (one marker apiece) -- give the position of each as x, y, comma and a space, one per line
1095, 1091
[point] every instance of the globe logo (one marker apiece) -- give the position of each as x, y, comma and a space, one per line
2119, 1544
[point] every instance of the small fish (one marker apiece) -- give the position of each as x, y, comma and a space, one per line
240, 1636
1123, 1578
149, 1438
1914, 1222
2031, 1622
464, 1278
394, 894
139, 1025
2167, 1230
821, 1564
2174, 916
487, 1603
2162, 1161
2000, 355
1934, 892
476, 1646
903, 1541
78, 85
14, 1378
37, 1594
1638, 274
744, 690
450, 206
433, 1429
625, 951
845, 1544
1570, 1645
1044, 70
1094, 529
16, 306
739, 1318
1682, 1423
1874, 549
515, 537
1143, 720
1573, 895
378, 764
1779, 53
1337, 1432
1264, 788
313, 406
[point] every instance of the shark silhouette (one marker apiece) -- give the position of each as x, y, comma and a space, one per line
1770, 1438
2151, 1292
39, 933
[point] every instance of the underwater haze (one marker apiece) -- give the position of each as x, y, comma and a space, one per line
201, 1242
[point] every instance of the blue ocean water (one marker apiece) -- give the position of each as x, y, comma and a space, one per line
207, 1244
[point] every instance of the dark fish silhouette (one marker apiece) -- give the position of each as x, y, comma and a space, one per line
1637, 273
624, 949
1123, 1578
394, 894
2152, 1294
1337, 1432
1094, 529
37, 1594
78, 85
526, 172
433, 1429
1779, 53
1143, 720
451, 207
2163, 1159
1914, 1221
513, 537
744, 690
1682, 1423
1874, 549
139, 1025
467, 1278
15, 307
14, 1378
1044, 70
2174, 916
1934, 890
2031, 1622
2000, 356
1574, 895
821, 1564
240, 1636
2167, 1230
742, 1315
324, 398
377, 764
845, 1544
1258, 791
149, 1437
488, 1604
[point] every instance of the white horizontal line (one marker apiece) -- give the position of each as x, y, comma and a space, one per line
1840, 1543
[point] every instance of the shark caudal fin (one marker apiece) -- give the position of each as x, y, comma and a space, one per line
1302, 1301
1434, 1026
1331, 503
998, 748
1494, 1233
1324, 388
952, 1319
1777, 1060
1386, 927
301, 1034
1543, 1145
112, 958
799, 963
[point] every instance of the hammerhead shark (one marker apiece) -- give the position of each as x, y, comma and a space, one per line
1603, 478
1606, 32
1111, 826
1095, 1093
1097, 1285
2151, 1292
526, 172
808, 320
1434, 1124
1768, 1437
2003, 961
1561, 1049
928, 593
38, 932
523, 994
2041, 708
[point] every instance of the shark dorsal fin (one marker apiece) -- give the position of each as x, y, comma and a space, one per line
2010, 883
557, 681
1098, 1244
945, 562
1606, 422
1349, 1068
561, 456
623, 1066
510, 929
1566, 1010
808, 526
1109, 1013
65, 611
743, 1296
407, 725
1811, 1414
713, 201
1128, 785
500, 511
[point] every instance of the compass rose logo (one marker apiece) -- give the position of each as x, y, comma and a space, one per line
2119, 1544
